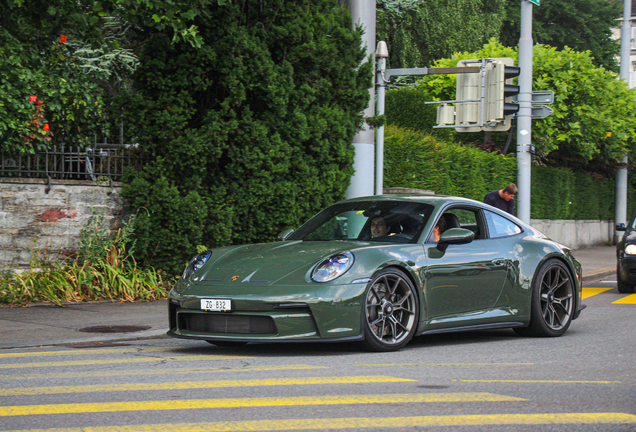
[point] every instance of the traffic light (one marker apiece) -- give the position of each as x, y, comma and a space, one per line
484, 96
499, 106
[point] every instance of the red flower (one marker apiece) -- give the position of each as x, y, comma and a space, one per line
63, 38
33, 98
46, 126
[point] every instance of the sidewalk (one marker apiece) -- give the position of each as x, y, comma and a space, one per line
45, 324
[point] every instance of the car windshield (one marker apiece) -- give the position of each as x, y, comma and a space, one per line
381, 221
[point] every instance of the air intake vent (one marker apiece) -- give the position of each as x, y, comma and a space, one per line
226, 324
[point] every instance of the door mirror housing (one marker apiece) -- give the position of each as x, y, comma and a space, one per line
454, 236
284, 234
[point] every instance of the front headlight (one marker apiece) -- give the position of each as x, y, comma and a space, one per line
332, 267
630, 249
196, 263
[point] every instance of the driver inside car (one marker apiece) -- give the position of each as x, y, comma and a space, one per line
379, 227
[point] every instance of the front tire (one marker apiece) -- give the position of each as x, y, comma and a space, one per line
390, 311
622, 287
553, 301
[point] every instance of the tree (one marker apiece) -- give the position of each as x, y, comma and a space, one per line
418, 32
579, 24
593, 120
251, 132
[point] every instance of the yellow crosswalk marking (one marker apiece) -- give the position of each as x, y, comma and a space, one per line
190, 385
541, 381
22, 410
123, 360
630, 299
591, 291
369, 422
170, 371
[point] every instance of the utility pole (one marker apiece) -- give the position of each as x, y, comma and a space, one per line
524, 117
363, 13
620, 210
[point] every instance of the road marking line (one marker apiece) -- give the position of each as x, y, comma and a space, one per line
445, 364
190, 385
541, 381
368, 422
589, 292
6, 377
21, 410
116, 361
86, 351
630, 299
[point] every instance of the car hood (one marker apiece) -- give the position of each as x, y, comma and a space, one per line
268, 262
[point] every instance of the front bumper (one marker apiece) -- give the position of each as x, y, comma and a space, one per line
332, 312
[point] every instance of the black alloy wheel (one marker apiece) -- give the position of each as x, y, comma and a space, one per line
553, 301
391, 311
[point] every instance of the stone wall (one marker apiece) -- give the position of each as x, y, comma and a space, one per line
49, 217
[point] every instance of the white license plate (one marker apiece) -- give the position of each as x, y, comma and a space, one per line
214, 304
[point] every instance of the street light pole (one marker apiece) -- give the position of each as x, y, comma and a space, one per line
524, 117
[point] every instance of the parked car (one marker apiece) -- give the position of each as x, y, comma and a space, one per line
626, 257
339, 278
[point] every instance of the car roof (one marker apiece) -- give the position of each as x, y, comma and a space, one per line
427, 199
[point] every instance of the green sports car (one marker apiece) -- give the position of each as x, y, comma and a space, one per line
381, 270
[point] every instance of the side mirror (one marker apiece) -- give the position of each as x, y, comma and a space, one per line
454, 236
284, 234
621, 227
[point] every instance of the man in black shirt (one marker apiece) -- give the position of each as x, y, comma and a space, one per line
503, 199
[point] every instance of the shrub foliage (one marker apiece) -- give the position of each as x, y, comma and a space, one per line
417, 160
251, 132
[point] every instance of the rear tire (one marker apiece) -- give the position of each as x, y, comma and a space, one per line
622, 287
553, 301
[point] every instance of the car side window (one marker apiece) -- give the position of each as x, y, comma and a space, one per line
499, 226
463, 218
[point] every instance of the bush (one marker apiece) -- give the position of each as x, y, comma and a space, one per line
415, 159
252, 133
407, 108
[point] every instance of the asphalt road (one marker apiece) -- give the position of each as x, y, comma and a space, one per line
476, 381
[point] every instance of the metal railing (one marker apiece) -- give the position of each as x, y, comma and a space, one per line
95, 162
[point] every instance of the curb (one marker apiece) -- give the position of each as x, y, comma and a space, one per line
597, 274
105, 338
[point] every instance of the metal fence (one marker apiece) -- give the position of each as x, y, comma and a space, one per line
96, 162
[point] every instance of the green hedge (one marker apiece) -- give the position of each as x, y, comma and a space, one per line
407, 108
415, 159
